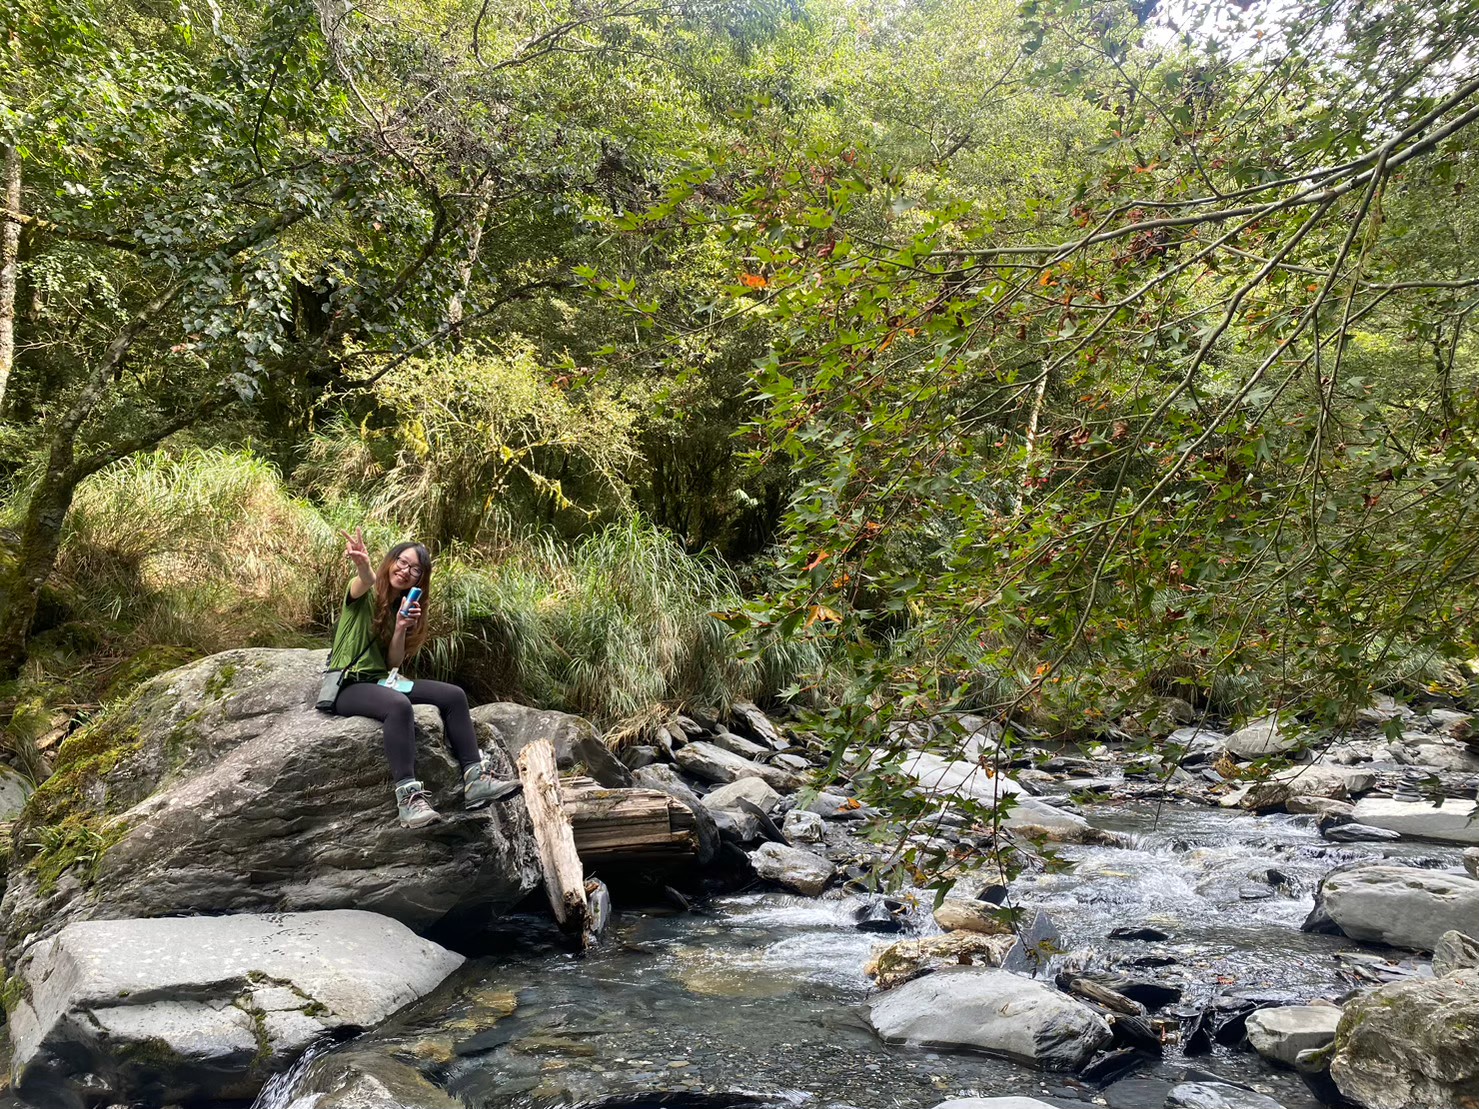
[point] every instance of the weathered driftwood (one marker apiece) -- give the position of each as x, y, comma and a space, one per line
564, 876
623, 827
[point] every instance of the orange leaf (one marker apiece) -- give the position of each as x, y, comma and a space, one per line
1046, 278
753, 281
821, 557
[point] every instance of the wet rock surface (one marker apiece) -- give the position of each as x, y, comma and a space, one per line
203, 1008
219, 788
992, 1010
1155, 922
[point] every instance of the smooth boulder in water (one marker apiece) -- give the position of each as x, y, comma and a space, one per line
1282, 1033
1401, 906
1217, 1095
792, 867
203, 1008
1410, 1045
219, 788
1451, 822
995, 1011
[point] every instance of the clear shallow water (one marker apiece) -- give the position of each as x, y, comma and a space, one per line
765, 994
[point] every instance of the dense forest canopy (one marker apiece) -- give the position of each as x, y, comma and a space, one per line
1039, 359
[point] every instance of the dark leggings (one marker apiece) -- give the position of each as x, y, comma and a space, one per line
380, 702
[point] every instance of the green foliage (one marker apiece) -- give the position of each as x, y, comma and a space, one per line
619, 627
456, 438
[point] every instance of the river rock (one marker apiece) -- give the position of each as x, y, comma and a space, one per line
804, 826
1352, 832
1410, 1045
1471, 861
738, 744
665, 779
15, 791
792, 867
994, 1103
579, 748
750, 720
970, 915
219, 788
1401, 906
1455, 952
1319, 806
714, 764
203, 1008
754, 790
1281, 1034
1446, 756
1217, 1095
1312, 780
1201, 745
727, 804
1033, 817
368, 1080
945, 778
1450, 823
995, 1011
1264, 736
907, 960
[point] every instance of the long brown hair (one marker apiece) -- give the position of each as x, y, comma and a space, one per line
388, 598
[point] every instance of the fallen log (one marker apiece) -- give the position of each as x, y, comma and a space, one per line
625, 827
564, 876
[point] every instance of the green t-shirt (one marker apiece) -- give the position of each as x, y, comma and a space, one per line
354, 634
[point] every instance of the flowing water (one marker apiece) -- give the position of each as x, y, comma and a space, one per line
761, 1000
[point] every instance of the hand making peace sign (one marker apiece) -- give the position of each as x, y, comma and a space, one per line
354, 550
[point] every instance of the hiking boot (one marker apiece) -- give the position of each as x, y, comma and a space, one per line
414, 805
480, 787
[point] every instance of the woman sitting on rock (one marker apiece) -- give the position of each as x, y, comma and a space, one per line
378, 630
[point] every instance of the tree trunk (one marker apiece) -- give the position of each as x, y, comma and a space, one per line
464, 269
39, 541
10, 241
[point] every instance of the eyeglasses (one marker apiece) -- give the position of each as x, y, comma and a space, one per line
412, 568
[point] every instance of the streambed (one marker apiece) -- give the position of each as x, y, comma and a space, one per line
759, 999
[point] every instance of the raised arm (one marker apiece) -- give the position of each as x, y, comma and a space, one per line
354, 550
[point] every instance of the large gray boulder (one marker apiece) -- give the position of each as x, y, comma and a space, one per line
1264, 736
1309, 780
714, 764
579, 748
1452, 822
1281, 1033
1401, 906
218, 788
1410, 1045
995, 1011
1216, 1095
202, 1008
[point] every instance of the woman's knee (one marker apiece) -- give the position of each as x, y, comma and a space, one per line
401, 714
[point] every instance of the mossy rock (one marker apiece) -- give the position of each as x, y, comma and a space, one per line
217, 787
1410, 1045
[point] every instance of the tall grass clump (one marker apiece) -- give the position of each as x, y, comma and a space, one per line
201, 548
618, 627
